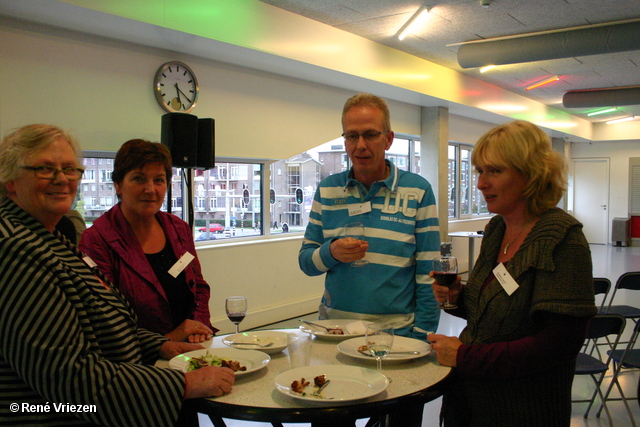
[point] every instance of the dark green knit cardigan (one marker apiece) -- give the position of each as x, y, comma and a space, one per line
553, 269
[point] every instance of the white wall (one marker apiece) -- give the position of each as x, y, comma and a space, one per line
102, 90
618, 153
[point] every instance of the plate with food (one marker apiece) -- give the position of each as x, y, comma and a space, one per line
335, 329
267, 341
241, 361
331, 384
403, 349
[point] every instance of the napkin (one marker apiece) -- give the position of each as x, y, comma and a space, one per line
358, 327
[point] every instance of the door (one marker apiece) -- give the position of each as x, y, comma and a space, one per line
591, 198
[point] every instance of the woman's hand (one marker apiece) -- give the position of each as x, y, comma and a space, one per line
348, 249
170, 349
208, 381
440, 292
191, 331
446, 348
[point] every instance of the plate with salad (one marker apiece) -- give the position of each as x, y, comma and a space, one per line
242, 362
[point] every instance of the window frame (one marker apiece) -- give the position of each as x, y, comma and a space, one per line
474, 193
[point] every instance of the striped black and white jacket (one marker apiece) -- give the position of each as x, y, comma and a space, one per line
70, 343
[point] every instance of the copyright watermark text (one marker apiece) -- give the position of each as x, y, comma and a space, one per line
47, 407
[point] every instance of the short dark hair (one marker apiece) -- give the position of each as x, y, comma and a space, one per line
136, 153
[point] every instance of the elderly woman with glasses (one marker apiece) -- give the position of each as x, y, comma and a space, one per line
67, 337
139, 247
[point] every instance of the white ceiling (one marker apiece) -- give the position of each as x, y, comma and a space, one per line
455, 21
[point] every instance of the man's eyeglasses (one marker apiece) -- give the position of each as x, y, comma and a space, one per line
368, 136
48, 172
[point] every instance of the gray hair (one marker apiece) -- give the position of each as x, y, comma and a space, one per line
23, 142
369, 100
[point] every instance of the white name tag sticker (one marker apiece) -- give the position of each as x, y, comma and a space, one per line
508, 283
359, 208
91, 263
181, 264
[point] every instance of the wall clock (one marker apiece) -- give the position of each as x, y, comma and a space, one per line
176, 87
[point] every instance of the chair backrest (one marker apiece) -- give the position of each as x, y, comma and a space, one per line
630, 280
603, 325
601, 286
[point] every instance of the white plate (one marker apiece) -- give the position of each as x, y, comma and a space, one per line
279, 340
331, 323
350, 348
348, 383
252, 359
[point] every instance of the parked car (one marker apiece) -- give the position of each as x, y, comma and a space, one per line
213, 228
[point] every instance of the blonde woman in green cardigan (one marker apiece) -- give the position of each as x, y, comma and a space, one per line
529, 298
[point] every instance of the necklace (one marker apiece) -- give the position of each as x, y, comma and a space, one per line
506, 248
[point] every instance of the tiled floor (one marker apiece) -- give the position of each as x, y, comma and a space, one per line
608, 262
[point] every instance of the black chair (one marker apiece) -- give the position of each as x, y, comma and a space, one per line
601, 286
631, 281
627, 358
602, 325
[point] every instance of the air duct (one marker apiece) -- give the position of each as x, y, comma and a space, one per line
613, 97
580, 41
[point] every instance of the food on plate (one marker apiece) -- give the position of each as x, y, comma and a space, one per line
363, 348
320, 380
212, 360
336, 331
298, 386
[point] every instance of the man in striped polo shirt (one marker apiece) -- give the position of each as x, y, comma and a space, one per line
399, 212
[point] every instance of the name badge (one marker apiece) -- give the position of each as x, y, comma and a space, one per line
508, 283
181, 264
357, 209
91, 263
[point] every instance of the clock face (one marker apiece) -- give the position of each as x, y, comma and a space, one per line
176, 87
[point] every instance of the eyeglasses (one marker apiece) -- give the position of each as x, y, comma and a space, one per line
368, 136
48, 172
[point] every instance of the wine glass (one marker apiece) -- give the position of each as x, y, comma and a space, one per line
379, 339
445, 270
355, 230
236, 308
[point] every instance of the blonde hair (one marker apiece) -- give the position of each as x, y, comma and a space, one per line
526, 148
24, 142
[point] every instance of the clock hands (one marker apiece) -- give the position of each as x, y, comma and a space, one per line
181, 92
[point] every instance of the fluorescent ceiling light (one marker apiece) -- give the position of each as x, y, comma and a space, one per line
624, 119
608, 110
487, 68
411, 23
543, 82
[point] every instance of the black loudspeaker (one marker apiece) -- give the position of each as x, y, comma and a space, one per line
180, 134
206, 144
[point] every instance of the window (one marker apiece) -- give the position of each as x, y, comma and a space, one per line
220, 208
218, 201
307, 169
464, 198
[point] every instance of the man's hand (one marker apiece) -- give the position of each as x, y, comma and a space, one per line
348, 249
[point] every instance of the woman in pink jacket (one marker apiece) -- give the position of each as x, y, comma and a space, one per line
148, 254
